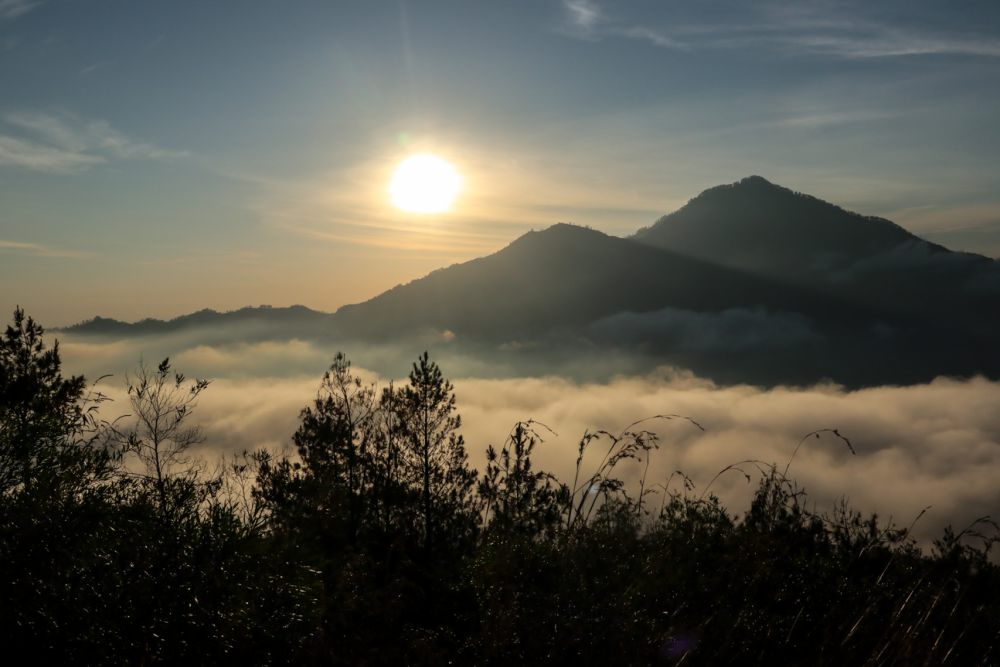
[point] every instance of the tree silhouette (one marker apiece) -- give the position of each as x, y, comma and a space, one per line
55, 481
43, 415
335, 438
159, 435
434, 451
519, 499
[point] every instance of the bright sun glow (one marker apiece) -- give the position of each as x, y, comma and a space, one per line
424, 184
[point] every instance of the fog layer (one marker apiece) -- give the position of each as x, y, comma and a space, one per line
935, 444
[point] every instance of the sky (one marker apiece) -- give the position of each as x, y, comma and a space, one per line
161, 157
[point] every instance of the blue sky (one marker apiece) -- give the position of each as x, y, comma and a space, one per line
160, 157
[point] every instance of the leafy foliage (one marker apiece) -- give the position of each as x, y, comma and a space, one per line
518, 499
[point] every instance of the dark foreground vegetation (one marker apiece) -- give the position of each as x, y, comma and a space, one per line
377, 543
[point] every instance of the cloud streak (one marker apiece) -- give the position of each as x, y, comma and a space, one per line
888, 43
584, 14
66, 144
16, 152
12, 9
588, 21
38, 250
794, 33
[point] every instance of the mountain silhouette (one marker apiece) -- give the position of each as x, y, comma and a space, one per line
756, 225
282, 319
749, 282
766, 229
565, 277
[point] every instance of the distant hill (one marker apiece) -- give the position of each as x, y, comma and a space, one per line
565, 277
283, 319
756, 226
748, 282
572, 288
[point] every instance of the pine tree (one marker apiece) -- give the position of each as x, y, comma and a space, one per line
434, 453
46, 425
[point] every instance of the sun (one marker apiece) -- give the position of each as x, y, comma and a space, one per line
424, 184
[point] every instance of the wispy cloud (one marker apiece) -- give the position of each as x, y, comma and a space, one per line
66, 143
15, 152
649, 35
587, 20
445, 245
90, 69
11, 9
793, 32
38, 250
815, 120
888, 43
584, 14
72, 133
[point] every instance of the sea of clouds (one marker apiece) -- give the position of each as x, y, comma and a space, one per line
933, 445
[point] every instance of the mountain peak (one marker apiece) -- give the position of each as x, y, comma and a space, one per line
561, 233
748, 186
566, 230
754, 180
756, 225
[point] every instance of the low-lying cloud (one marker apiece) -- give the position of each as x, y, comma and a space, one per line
735, 329
935, 444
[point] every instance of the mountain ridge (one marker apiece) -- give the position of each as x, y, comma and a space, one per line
598, 274
756, 189
766, 229
564, 229
204, 316
747, 282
